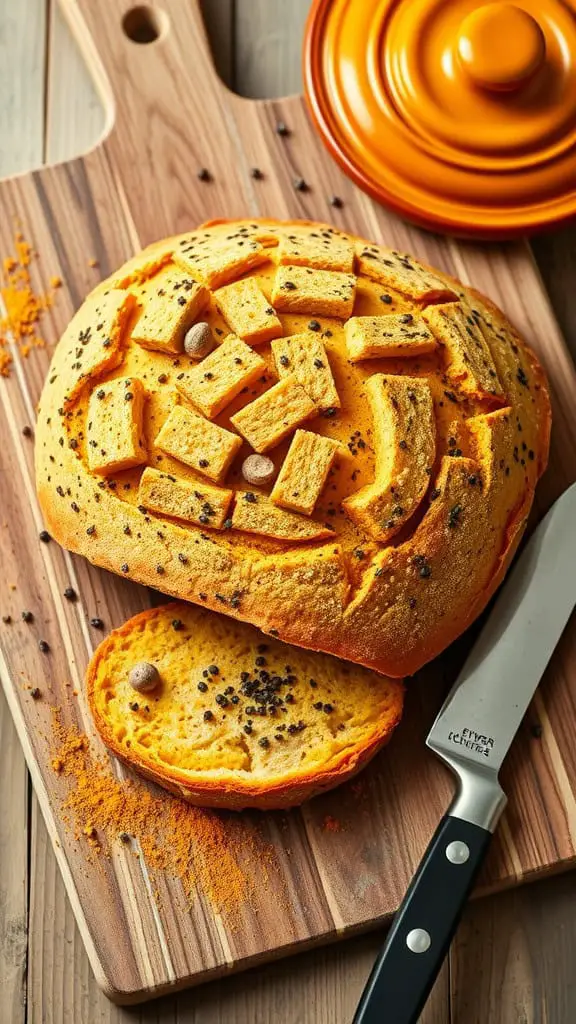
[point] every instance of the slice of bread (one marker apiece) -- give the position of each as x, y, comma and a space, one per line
237, 719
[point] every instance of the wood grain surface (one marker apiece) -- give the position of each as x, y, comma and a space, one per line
509, 266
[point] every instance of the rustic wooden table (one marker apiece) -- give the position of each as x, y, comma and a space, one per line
513, 959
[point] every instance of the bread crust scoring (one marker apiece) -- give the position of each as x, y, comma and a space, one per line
389, 605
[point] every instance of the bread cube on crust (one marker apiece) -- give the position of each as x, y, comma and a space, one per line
304, 356
192, 501
312, 247
247, 311
271, 416
216, 380
114, 431
320, 292
99, 349
171, 302
215, 265
255, 513
206, 447
304, 471
385, 337
402, 273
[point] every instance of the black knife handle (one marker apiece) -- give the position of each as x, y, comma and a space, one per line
424, 925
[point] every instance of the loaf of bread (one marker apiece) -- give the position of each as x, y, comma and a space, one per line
203, 706
394, 422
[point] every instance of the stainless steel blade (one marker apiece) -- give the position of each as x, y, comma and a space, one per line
482, 713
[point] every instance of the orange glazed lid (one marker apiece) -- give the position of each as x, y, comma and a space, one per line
459, 116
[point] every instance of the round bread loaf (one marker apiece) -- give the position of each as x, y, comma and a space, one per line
407, 422
235, 721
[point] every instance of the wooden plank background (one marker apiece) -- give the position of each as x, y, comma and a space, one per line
512, 961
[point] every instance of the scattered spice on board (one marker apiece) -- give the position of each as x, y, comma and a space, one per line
191, 843
23, 308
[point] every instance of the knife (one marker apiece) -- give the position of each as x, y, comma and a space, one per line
472, 735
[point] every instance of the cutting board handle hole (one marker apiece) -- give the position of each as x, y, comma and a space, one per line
144, 24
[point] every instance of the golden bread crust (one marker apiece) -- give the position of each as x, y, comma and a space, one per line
234, 721
391, 596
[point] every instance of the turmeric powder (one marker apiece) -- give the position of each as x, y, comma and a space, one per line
23, 308
190, 843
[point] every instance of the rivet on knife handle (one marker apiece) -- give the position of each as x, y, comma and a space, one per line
423, 928
472, 734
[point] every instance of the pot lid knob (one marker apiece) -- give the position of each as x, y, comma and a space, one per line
458, 114
500, 46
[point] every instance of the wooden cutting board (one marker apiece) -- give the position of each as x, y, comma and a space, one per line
168, 116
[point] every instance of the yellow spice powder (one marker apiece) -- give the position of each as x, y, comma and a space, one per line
23, 308
190, 843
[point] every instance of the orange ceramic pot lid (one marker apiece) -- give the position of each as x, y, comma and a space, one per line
460, 116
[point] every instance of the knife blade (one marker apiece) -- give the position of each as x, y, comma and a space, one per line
472, 735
